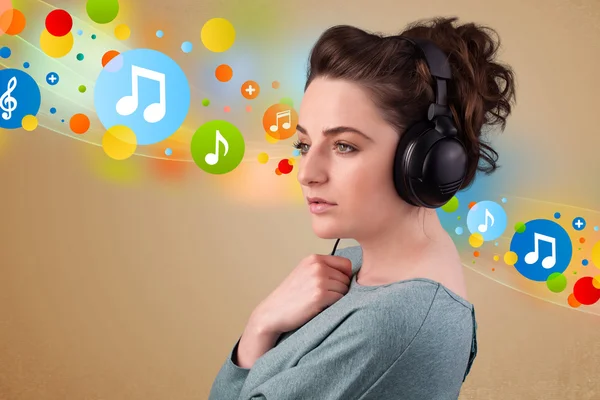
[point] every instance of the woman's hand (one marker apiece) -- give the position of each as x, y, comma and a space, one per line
315, 284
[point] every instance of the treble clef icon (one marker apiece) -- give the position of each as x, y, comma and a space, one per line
7, 102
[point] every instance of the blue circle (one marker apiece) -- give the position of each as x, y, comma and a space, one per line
186, 47
53, 110
459, 230
487, 218
579, 223
52, 78
25, 64
168, 152
296, 152
557, 215
114, 84
543, 249
62, 120
595, 228
19, 96
584, 262
80, 32
159, 33
504, 200
5, 52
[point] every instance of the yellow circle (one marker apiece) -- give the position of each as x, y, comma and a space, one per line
122, 32
291, 161
596, 281
476, 240
218, 35
510, 257
29, 122
596, 254
56, 46
270, 138
496, 258
119, 142
263, 158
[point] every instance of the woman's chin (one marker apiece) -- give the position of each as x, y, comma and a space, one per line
326, 230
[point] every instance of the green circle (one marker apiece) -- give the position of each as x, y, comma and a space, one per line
94, 36
217, 137
205, 102
451, 205
82, 88
520, 227
80, 57
556, 282
288, 101
102, 11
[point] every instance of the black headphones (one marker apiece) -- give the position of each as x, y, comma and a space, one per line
431, 162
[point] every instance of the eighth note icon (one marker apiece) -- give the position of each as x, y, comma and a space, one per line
154, 112
213, 158
533, 256
484, 227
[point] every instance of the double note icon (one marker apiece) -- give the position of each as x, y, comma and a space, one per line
533, 256
154, 112
213, 158
286, 124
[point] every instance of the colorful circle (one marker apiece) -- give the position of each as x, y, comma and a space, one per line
206, 102
557, 215
102, 11
451, 206
156, 107
544, 248
284, 166
476, 239
186, 47
108, 57
250, 90
80, 56
585, 292
596, 254
122, 32
12, 22
82, 88
5, 52
579, 223
56, 46
29, 122
79, 123
159, 33
52, 110
280, 121
487, 218
458, 230
59, 22
556, 282
218, 35
218, 147
119, 142
510, 258
52, 78
263, 158
223, 73
19, 96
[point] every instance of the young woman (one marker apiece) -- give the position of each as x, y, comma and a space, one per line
390, 318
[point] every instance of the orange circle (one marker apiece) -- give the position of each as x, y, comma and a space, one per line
13, 20
581, 240
224, 73
109, 55
277, 171
79, 123
471, 204
280, 121
275, 85
250, 90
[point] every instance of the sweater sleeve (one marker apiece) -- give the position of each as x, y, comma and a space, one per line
230, 378
343, 366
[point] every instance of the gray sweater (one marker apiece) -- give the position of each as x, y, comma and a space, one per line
411, 339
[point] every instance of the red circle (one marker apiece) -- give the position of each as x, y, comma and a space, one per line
284, 166
59, 23
585, 292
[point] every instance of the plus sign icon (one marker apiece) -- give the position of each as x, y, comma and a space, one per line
579, 224
250, 90
52, 78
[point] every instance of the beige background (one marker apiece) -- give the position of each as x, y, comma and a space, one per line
139, 290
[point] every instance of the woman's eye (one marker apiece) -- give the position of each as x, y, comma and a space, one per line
345, 148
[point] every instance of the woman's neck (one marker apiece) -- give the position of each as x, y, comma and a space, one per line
402, 249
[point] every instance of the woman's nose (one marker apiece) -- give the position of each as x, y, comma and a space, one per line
313, 168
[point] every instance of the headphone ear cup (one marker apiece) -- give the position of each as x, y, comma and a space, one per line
403, 160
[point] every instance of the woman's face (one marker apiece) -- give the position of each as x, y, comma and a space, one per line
343, 166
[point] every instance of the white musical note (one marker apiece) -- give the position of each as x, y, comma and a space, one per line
285, 125
7, 102
128, 104
213, 158
532, 257
484, 227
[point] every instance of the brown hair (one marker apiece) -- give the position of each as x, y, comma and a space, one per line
480, 93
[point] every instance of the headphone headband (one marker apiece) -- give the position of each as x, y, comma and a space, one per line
439, 68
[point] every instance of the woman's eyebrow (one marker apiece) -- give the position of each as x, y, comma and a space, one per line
336, 131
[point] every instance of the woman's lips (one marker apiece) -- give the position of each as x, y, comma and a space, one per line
319, 208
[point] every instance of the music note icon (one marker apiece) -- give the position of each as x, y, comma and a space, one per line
285, 125
128, 104
532, 257
484, 227
7, 102
213, 158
